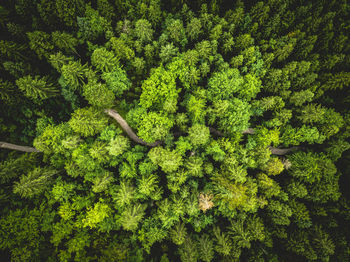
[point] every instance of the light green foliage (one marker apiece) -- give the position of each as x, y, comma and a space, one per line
102, 182
199, 134
124, 195
223, 243
143, 30
295, 136
154, 126
336, 81
279, 212
99, 151
168, 160
233, 116
36, 87
159, 90
311, 167
176, 179
233, 170
104, 60
268, 186
251, 87
71, 142
312, 113
35, 182
240, 114
132, 216
244, 231
265, 137
178, 234
230, 194
188, 75
13, 167
196, 108
62, 191
66, 211
206, 248
331, 123
74, 74
98, 95
194, 28
244, 41
148, 186
215, 151
52, 139
117, 81
87, 121
188, 251
274, 166
223, 85
121, 48
167, 52
299, 98
270, 103
151, 232
118, 145
176, 31
58, 60
96, 215
194, 166
297, 189
300, 214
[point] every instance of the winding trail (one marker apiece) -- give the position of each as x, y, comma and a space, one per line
128, 130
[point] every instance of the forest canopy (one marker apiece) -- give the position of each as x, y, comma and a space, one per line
153, 130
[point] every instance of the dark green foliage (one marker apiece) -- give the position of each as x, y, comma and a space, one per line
230, 142
40, 43
64, 41
25, 241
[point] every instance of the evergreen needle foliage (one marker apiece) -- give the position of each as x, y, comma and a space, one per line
165, 130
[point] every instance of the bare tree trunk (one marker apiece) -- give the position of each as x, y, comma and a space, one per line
215, 131
249, 131
125, 126
18, 148
282, 151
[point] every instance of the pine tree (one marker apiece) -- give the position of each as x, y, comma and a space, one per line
132, 216
87, 121
178, 234
36, 87
35, 182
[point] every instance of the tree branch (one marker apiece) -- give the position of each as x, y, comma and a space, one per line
249, 131
283, 151
18, 148
125, 126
